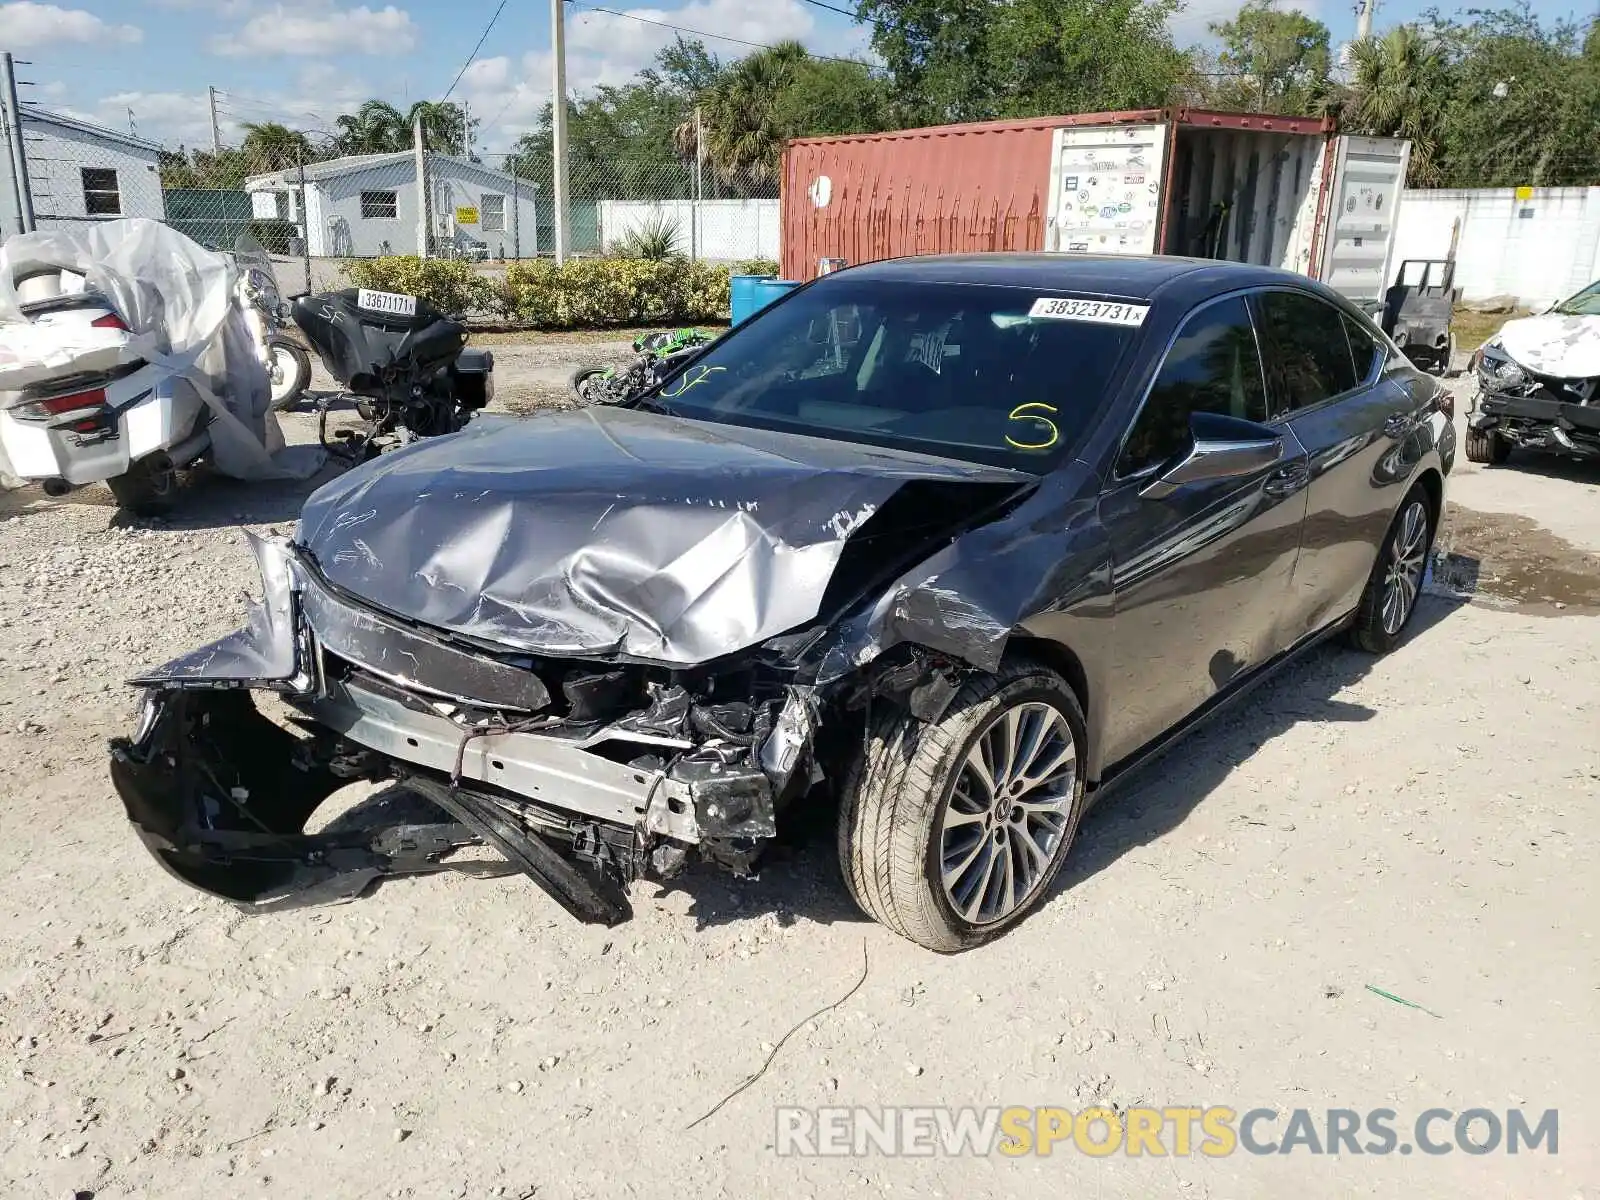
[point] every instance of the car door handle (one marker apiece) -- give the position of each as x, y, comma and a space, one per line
1399, 425
1287, 479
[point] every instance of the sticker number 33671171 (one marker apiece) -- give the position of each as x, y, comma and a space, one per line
1101, 312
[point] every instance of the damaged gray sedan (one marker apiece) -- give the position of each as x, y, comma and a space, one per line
951, 543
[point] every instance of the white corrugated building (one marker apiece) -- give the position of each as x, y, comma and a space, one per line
77, 172
366, 204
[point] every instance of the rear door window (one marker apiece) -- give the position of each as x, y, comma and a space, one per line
1304, 349
1212, 367
1365, 349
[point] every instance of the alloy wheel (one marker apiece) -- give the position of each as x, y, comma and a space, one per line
1008, 811
1403, 579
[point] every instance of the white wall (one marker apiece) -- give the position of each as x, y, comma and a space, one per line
56, 157
1535, 251
728, 230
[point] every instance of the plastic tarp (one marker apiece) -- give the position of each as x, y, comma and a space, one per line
177, 298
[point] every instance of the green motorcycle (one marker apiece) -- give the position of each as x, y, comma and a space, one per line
656, 355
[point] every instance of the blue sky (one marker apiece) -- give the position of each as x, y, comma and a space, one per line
305, 61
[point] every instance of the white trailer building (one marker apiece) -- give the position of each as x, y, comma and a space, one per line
365, 205
78, 172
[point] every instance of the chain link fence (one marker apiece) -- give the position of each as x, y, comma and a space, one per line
316, 212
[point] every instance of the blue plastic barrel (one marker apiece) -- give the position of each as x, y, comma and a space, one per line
742, 295
768, 290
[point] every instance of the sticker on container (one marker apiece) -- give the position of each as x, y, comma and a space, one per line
1099, 312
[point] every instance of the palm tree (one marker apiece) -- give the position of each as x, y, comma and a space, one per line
739, 116
1397, 88
443, 125
270, 146
377, 127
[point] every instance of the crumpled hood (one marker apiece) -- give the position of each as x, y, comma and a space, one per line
608, 531
1553, 344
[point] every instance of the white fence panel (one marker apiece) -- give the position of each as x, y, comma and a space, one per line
719, 230
1536, 250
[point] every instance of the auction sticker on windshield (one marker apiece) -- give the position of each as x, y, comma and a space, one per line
392, 304
1101, 312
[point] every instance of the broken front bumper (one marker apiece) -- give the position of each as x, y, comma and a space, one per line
1540, 420
221, 795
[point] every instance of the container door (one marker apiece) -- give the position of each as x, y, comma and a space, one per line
1359, 222
1105, 188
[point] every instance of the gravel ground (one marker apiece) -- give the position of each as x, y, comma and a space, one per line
1416, 823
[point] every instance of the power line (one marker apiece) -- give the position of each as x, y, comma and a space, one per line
474, 53
720, 37
844, 12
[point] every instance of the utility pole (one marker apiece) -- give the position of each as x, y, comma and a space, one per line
466, 129
133, 125
216, 129
422, 186
558, 110
1364, 19
19, 153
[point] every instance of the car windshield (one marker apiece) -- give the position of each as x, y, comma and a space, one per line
1585, 304
979, 373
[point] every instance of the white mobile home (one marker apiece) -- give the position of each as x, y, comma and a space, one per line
366, 204
78, 172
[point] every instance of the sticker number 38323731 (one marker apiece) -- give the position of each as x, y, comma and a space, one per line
1101, 312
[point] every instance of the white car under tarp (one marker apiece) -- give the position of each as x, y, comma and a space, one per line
177, 300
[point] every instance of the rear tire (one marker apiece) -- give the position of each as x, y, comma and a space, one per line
938, 834
1395, 586
1487, 446
146, 490
290, 373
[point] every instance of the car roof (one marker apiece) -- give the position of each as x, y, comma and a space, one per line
1129, 276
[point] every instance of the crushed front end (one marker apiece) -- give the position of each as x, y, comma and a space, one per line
1535, 409
583, 774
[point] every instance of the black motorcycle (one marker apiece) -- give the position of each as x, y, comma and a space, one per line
407, 365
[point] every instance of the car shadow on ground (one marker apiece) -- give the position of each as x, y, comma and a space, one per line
1550, 466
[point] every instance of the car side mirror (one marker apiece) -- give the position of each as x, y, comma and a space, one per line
1221, 448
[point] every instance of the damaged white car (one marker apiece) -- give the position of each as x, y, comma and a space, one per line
1539, 384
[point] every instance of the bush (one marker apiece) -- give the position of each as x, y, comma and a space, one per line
592, 292
450, 285
656, 240
756, 266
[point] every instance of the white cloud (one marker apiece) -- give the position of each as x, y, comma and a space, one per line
25, 23
507, 93
316, 30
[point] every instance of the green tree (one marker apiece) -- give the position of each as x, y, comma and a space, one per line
971, 60
377, 127
1277, 61
1399, 85
270, 146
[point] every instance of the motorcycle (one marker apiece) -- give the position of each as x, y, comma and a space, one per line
129, 391
288, 365
656, 355
406, 364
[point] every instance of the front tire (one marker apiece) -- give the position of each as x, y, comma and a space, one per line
1487, 446
1395, 586
290, 373
588, 384
951, 832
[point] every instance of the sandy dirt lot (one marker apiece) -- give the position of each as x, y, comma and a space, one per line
1418, 823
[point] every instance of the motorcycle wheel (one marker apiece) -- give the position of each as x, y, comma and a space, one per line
290, 373
588, 385
149, 488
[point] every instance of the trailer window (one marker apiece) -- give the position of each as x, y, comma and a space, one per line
380, 206
102, 196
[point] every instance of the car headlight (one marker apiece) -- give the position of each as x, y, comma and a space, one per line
1497, 369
